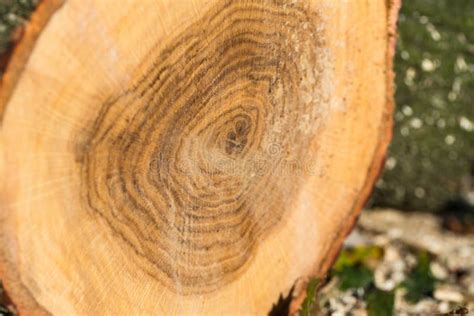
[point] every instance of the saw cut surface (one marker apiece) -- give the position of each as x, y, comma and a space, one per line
182, 163
208, 157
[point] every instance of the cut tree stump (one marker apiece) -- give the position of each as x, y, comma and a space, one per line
188, 157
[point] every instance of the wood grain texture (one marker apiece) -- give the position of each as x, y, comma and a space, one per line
189, 157
188, 154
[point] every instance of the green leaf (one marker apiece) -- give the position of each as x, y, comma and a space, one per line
354, 256
310, 299
420, 282
380, 303
358, 276
352, 266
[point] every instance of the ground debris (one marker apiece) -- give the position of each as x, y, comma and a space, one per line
416, 268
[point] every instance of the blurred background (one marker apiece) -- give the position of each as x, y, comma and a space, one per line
431, 160
413, 252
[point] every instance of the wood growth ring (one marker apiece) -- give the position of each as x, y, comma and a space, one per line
180, 164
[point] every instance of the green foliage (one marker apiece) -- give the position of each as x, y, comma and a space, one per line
361, 254
310, 299
353, 271
420, 282
352, 267
433, 145
380, 303
353, 277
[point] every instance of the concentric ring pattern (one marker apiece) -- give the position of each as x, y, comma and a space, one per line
192, 166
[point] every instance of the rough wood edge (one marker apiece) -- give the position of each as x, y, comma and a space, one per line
376, 167
21, 52
21, 298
